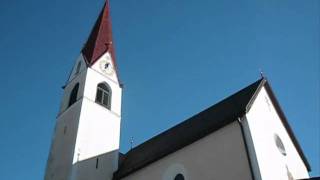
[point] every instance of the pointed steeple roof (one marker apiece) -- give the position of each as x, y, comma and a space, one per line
100, 39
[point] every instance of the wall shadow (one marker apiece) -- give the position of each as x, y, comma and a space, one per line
99, 167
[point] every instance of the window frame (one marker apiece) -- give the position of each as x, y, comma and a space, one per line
105, 92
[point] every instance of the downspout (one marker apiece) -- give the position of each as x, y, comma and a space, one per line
240, 121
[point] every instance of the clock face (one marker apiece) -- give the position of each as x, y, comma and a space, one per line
106, 66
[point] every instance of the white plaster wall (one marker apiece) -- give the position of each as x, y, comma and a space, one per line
93, 170
80, 78
263, 122
98, 132
220, 155
93, 79
92, 131
60, 159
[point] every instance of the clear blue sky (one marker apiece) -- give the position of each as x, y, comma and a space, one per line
176, 57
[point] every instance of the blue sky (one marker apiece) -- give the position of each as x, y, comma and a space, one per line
175, 57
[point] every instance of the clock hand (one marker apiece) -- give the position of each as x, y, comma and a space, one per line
106, 65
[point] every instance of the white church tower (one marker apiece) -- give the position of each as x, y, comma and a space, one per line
87, 133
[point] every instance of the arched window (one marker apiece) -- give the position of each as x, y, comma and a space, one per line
103, 95
179, 177
78, 67
73, 94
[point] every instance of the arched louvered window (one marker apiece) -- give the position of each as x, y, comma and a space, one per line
73, 94
179, 177
78, 67
103, 95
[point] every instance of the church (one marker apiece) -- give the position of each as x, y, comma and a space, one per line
245, 136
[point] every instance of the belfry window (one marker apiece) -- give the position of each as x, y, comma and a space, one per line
74, 94
78, 67
103, 95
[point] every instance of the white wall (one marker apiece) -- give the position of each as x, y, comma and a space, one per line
220, 155
60, 159
100, 167
99, 130
81, 79
93, 79
61, 155
263, 123
92, 131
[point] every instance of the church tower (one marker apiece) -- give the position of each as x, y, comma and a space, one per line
86, 137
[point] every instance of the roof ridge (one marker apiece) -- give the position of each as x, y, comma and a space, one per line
262, 83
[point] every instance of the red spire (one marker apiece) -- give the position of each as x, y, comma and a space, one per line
100, 39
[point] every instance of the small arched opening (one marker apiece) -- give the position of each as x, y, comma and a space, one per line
103, 95
73, 95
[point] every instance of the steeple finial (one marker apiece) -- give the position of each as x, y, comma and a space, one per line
261, 73
131, 143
